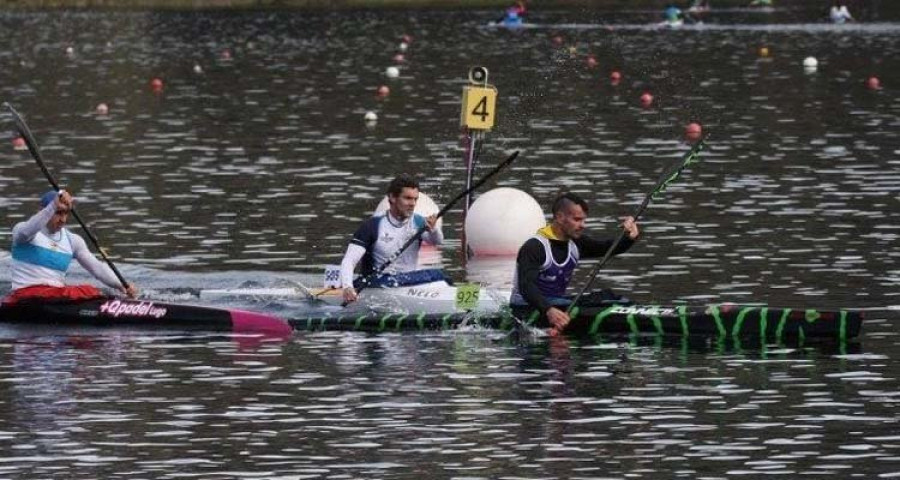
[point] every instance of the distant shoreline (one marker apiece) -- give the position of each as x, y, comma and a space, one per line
13, 5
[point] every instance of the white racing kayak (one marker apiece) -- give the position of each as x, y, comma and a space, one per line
436, 297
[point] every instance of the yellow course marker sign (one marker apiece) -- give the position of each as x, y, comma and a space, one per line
467, 295
478, 107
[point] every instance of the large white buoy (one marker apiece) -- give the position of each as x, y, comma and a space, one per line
500, 221
392, 72
425, 206
810, 62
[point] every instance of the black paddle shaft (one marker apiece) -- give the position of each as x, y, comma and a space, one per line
31, 143
378, 271
667, 177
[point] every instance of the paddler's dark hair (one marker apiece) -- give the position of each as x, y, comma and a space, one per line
404, 180
563, 200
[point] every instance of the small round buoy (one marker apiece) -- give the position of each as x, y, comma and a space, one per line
102, 109
399, 58
573, 50
156, 84
371, 116
873, 83
403, 46
19, 143
197, 68
557, 40
383, 91
615, 77
70, 51
406, 39
810, 62
591, 61
392, 72
693, 132
764, 52
225, 55
646, 99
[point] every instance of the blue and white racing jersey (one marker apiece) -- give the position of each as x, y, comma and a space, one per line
380, 237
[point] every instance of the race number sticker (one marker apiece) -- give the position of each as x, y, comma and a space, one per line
467, 296
332, 276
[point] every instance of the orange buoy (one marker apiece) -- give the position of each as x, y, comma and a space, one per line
764, 52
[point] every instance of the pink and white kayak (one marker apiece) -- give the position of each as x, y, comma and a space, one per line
141, 314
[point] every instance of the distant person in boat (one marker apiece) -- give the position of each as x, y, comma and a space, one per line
42, 250
839, 12
380, 237
546, 262
673, 14
514, 15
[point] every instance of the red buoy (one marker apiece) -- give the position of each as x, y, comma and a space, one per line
693, 132
383, 91
591, 61
646, 100
225, 55
406, 39
615, 77
19, 143
156, 84
399, 58
557, 40
873, 83
102, 109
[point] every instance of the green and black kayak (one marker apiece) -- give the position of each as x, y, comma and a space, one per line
720, 321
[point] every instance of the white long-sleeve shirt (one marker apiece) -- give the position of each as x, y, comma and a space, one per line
40, 257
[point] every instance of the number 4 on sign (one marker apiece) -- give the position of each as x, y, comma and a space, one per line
479, 107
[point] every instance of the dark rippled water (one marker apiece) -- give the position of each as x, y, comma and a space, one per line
260, 167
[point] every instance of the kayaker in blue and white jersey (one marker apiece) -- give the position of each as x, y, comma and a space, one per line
43, 249
546, 262
380, 237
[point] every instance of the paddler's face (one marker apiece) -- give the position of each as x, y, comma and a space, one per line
58, 220
571, 221
403, 205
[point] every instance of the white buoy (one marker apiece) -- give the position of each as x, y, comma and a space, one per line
810, 62
197, 68
70, 51
102, 109
371, 116
392, 72
403, 46
500, 221
425, 206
